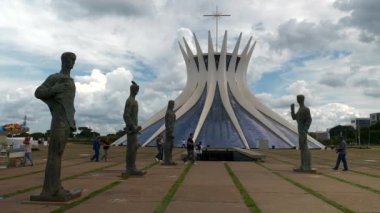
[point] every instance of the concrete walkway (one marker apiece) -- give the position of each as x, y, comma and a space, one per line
274, 194
207, 187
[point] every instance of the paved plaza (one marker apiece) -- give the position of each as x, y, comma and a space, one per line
208, 186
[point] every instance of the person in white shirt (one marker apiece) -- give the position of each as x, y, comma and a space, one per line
28, 151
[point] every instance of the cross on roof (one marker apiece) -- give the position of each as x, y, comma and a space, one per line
216, 15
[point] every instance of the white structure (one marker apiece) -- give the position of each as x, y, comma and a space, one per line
218, 107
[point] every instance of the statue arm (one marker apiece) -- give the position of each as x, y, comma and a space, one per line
52, 86
294, 115
308, 121
128, 119
45, 91
169, 122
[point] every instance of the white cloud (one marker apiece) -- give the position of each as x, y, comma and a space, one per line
124, 40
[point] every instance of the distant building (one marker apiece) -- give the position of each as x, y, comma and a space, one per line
374, 117
360, 122
322, 135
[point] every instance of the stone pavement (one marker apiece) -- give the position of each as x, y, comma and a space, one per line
207, 187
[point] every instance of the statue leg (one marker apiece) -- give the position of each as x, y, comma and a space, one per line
305, 153
131, 156
131, 151
52, 188
168, 147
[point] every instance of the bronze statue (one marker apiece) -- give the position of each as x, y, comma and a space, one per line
58, 92
303, 119
169, 125
132, 130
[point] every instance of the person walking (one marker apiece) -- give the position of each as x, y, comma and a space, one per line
28, 151
190, 149
198, 149
342, 151
106, 146
160, 147
96, 148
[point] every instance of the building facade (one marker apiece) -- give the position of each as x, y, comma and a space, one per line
218, 106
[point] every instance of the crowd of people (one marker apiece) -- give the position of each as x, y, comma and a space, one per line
194, 150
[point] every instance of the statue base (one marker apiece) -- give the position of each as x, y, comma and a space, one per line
172, 163
310, 171
135, 173
69, 195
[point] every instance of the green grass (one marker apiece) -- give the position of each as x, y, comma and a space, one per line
352, 183
346, 181
97, 192
169, 196
367, 174
66, 178
21, 191
21, 175
311, 191
246, 197
89, 196
89, 171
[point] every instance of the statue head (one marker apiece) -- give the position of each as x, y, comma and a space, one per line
171, 105
134, 88
300, 99
68, 60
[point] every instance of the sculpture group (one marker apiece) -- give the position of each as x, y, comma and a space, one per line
58, 93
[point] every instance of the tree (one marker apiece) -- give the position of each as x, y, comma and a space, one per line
348, 132
37, 135
87, 133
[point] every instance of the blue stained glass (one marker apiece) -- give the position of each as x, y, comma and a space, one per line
187, 123
218, 130
253, 129
149, 131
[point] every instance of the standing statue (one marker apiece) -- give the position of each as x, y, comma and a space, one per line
303, 119
132, 129
169, 125
58, 92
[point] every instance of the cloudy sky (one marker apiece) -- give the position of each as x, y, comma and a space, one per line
328, 50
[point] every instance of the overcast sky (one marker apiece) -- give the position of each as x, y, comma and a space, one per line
328, 50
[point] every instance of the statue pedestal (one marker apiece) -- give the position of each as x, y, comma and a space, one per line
311, 171
71, 195
137, 173
169, 164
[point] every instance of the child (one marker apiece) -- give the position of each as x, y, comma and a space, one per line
28, 151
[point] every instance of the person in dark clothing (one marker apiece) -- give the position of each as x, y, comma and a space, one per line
160, 147
96, 148
341, 150
198, 149
190, 148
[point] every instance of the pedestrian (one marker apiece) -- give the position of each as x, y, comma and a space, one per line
28, 151
342, 151
160, 147
106, 146
190, 149
183, 143
198, 149
96, 148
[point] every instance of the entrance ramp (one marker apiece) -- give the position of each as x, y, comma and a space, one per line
231, 154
